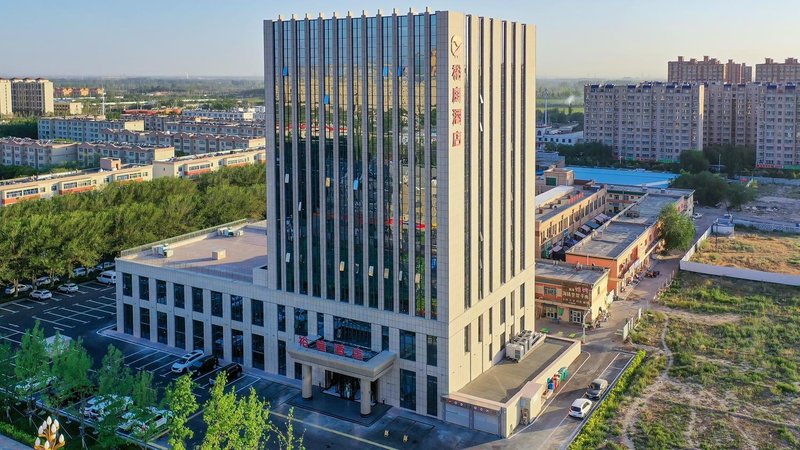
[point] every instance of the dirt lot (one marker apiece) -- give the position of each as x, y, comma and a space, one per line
772, 252
774, 203
732, 372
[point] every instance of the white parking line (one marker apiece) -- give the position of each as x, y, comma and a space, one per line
246, 386
102, 305
13, 324
9, 310
10, 339
170, 363
143, 357
55, 322
134, 353
110, 299
156, 362
75, 313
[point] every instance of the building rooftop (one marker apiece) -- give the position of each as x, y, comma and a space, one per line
646, 210
213, 154
609, 241
569, 272
192, 252
555, 201
503, 380
62, 175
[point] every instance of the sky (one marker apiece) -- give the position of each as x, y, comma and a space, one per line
607, 39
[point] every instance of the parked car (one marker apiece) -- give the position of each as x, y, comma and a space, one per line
46, 280
580, 408
104, 266
596, 388
696, 216
203, 365
41, 294
81, 271
33, 385
182, 364
97, 407
107, 277
232, 372
20, 288
143, 420
68, 288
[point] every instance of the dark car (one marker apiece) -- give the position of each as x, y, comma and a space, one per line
596, 389
203, 365
232, 372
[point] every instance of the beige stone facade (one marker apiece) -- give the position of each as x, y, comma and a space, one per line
709, 70
189, 143
83, 129
195, 165
730, 114
775, 72
67, 108
31, 97
5, 98
646, 121
90, 153
39, 154
778, 117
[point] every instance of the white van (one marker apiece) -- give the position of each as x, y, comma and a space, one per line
107, 277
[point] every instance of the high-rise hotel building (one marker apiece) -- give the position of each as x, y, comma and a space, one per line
399, 250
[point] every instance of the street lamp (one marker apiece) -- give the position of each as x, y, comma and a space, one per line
48, 431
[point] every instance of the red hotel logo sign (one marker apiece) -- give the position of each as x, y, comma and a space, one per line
456, 74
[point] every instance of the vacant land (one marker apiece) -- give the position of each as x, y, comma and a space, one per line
771, 252
775, 203
732, 372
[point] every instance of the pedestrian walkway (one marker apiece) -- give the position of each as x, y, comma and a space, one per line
6, 443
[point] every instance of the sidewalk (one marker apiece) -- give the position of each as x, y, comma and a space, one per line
7, 443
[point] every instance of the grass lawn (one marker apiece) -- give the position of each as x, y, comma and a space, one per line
771, 252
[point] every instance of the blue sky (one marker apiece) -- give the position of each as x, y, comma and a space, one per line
578, 38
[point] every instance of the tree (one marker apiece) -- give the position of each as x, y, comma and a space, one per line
7, 378
113, 377
287, 439
709, 189
254, 415
739, 194
677, 230
735, 158
107, 425
182, 404
142, 390
221, 417
693, 161
71, 373
33, 364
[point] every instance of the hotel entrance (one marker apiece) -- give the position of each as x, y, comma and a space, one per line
347, 387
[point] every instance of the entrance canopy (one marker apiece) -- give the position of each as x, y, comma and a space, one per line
345, 362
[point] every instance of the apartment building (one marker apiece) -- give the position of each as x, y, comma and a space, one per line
189, 143
32, 97
391, 273
195, 165
52, 185
62, 108
775, 72
220, 127
39, 154
646, 121
90, 153
83, 129
67, 92
709, 70
573, 293
730, 114
232, 114
778, 114
567, 210
5, 98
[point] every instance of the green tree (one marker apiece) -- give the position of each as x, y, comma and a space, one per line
113, 377
738, 194
32, 364
142, 392
221, 417
72, 378
693, 161
182, 404
255, 424
287, 440
107, 425
7, 378
677, 230
709, 189
736, 159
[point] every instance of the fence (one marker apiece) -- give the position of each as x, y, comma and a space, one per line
783, 181
769, 226
630, 324
183, 237
734, 272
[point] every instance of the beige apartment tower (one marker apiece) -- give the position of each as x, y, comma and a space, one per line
32, 97
647, 121
730, 114
709, 70
775, 72
777, 142
5, 98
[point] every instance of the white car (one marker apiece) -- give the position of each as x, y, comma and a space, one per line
182, 365
143, 420
18, 288
96, 407
33, 385
42, 294
696, 216
45, 280
68, 288
81, 271
580, 408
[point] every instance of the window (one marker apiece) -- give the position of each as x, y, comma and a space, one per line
180, 332
197, 300
281, 318
321, 325
282, 357
384, 338
300, 322
236, 307
258, 352
257, 312
216, 304
480, 328
550, 291
161, 327
352, 332
432, 351
161, 292
575, 316
144, 288
522, 323
503, 311
127, 319
237, 346
491, 331
217, 341
144, 323
179, 294
198, 335
127, 285
408, 389
467, 337
408, 345
298, 371
433, 396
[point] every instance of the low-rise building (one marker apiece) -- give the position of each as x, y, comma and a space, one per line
557, 135
189, 143
548, 160
571, 292
220, 127
231, 114
563, 211
195, 165
38, 154
46, 186
90, 153
84, 128
67, 108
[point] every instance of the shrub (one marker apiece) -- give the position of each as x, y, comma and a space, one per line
16, 434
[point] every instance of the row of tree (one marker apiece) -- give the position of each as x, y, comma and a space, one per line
61, 372
20, 127
734, 159
54, 236
711, 189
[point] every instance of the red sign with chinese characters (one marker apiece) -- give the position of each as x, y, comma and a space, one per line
338, 349
358, 354
321, 345
304, 341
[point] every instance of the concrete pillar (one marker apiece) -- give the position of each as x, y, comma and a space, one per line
307, 382
366, 394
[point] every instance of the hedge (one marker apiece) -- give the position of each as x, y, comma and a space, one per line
15, 433
594, 430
